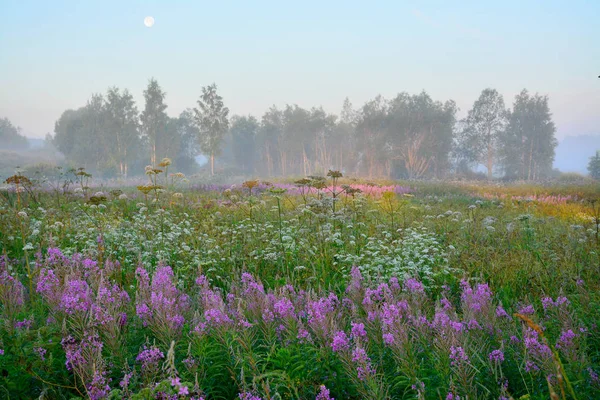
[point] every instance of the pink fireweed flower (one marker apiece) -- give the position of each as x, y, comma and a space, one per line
477, 300
548, 303
358, 330
414, 286
48, 286
98, 388
364, 369
149, 358
388, 339
565, 340
356, 280
248, 396
323, 394
76, 297
24, 324
527, 310
458, 356
12, 293
284, 308
340, 341
496, 356
161, 305
303, 335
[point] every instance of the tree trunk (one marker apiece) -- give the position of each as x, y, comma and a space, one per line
212, 163
490, 161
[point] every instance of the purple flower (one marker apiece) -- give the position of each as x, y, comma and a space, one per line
24, 324
458, 356
497, 356
364, 369
303, 335
76, 297
98, 388
501, 313
593, 376
527, 310
248, 396
358, 330
150, 357
476, 300
41, 352
388, 339
566, 339
548, 303
48, 285
125, 381
340, 341
538, 351
12, 293
323, 394
356, 280
414, 286
284, 308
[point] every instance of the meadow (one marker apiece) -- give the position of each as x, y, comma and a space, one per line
319, 288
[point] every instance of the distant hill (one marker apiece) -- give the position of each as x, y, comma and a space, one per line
573, 152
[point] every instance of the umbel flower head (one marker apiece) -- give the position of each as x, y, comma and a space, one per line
165, 162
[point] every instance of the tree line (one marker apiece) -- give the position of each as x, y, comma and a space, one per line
408, 136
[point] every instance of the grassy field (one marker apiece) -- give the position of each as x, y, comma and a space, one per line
314, 289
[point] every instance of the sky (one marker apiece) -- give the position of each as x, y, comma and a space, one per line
55, 54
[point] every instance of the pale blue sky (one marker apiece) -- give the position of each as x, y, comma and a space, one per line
55, 54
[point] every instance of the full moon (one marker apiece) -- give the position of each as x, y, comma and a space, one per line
149, 21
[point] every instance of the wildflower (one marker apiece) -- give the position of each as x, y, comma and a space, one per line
358, 330
566, 339
414, 286
303, 335
527, 310
323, 394
248, 396
593, 376
501, 313
284, 308
24, 324
388, 339
362, 361
538, 350
76, 297
340, 341
149, 358
497, 356
125, 381
457, 356
41, 352
98, 388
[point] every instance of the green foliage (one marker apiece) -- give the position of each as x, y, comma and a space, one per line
527, 146
211, 120
594, 166
11, 137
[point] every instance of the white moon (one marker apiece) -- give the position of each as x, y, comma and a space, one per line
149, 21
